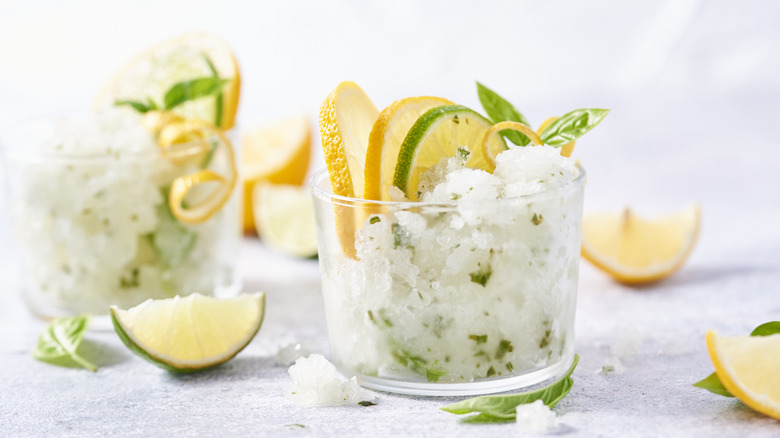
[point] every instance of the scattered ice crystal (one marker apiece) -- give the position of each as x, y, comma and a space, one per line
536, 417
288, 354
315, 382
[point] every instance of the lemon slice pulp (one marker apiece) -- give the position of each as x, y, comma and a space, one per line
635, 250
190, 333
278, 153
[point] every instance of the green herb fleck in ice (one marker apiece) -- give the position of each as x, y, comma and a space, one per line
57, 345
502, 408
482, 275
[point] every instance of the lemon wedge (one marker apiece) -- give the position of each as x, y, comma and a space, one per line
150, 75
285, 218
190, 333
278, 153
385, 140
634, 250
747, 366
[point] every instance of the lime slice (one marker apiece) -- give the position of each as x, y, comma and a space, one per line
443, 132
190, 333
151, 74
285, 218
386, 138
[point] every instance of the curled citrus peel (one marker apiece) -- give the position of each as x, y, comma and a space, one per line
516, 126
173, 131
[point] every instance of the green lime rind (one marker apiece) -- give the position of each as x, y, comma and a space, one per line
167, 365
426, 125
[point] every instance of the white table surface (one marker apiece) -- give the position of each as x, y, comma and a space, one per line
695, 98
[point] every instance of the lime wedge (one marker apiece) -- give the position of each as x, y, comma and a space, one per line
285, 218
191, 333
443, 132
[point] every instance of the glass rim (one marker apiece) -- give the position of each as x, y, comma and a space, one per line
190, 148
328, 195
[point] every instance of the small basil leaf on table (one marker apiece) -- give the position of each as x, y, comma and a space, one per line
572, 126
766, 329
57, 345
501, 408
498, 110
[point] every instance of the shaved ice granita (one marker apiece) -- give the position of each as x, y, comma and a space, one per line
91, 208
462, 277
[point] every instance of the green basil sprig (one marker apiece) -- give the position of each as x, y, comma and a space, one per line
713, 384
503, 408
498, 110
572, 126
57, 345
192, 89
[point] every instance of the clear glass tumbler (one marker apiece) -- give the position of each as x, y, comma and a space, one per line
450, 299
92, 226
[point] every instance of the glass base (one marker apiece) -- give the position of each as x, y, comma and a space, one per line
481, 387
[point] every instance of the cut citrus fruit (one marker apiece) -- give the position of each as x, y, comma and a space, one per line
285, 218
150, 75
747, 366
568, 148
277, 153
440, 133
635, 250
346, 118
190, 333
385, 140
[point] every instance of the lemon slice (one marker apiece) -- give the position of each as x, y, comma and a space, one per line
385, 140
190, 333
278, 153
488, 139
747, 366
635, 250
346, 118
440, 133
285, 218
151, 74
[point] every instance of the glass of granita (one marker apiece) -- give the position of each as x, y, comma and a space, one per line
471, 290
102, 214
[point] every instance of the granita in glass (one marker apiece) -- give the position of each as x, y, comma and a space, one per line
463, 278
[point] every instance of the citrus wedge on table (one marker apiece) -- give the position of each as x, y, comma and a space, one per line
346, 118
747, 366
278, 153
150, 76
442, 132
285, 218
385, 139
634, 250
190, 333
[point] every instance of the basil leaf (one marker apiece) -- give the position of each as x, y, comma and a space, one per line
192, 89
136, 105
500, 408
499, 109
572, 126
713, 384
769, 328
220, 95
57, 345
